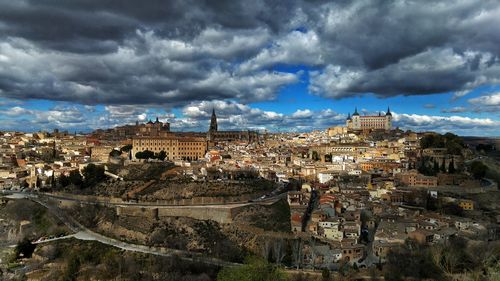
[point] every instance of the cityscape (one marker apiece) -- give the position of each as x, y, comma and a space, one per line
237, 140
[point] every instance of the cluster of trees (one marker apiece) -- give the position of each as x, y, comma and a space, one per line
93, 261
430, 167
453, 143
478, 169
478, 261
91, 175
449, 208
115, 152
147, 154
485, 147
411, 261
126, 148
254, 269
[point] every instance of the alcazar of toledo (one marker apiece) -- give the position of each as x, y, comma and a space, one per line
357, 122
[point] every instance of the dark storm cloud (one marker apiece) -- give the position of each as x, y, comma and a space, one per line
399, 47
176, 52
77, 25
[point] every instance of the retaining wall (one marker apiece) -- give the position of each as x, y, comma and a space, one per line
218, 214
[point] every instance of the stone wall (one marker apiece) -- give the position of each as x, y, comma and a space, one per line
151, 213
177, 202
218, 214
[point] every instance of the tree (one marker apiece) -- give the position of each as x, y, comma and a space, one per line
139, 155
443, 166
93, 174
453, 143
126, 148
451, 167
115, 153
478, 169
75, 177
25, 248
254, 269
325, 274
146, 154
452, 209
424, 168
436, 167
315, 155
162, 155
63, 180
328, 157
411, 261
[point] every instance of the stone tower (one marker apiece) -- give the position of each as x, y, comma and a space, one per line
213, 122
388, 119
356, 121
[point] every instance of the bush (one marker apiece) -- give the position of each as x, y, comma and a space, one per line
478, 169
24, 248
146, 154
254, 269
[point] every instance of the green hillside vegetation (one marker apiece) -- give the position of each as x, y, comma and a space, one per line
453, 143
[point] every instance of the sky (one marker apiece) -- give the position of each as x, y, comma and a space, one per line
262, 65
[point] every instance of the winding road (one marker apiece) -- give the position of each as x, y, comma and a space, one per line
83, 233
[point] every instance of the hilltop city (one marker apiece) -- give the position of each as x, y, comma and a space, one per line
357, 201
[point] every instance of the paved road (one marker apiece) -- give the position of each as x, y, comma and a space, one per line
53, 239
27, 195
83, 233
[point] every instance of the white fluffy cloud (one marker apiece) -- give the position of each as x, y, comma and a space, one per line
487, 100
236, 116
293, 49
456, 109
57, 117
457, 124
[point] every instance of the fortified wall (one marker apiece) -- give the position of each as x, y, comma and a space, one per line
218, 214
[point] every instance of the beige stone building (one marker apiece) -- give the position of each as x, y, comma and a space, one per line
357, 122
175, 147
337, 130
101, 153
414, 178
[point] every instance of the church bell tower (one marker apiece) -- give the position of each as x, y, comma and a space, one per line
213, 122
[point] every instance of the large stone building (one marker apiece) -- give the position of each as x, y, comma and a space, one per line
414, 179
357, 122
214, 135
149, 128
176, 148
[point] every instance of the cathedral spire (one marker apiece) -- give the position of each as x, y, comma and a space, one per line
388, 111
213, 122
